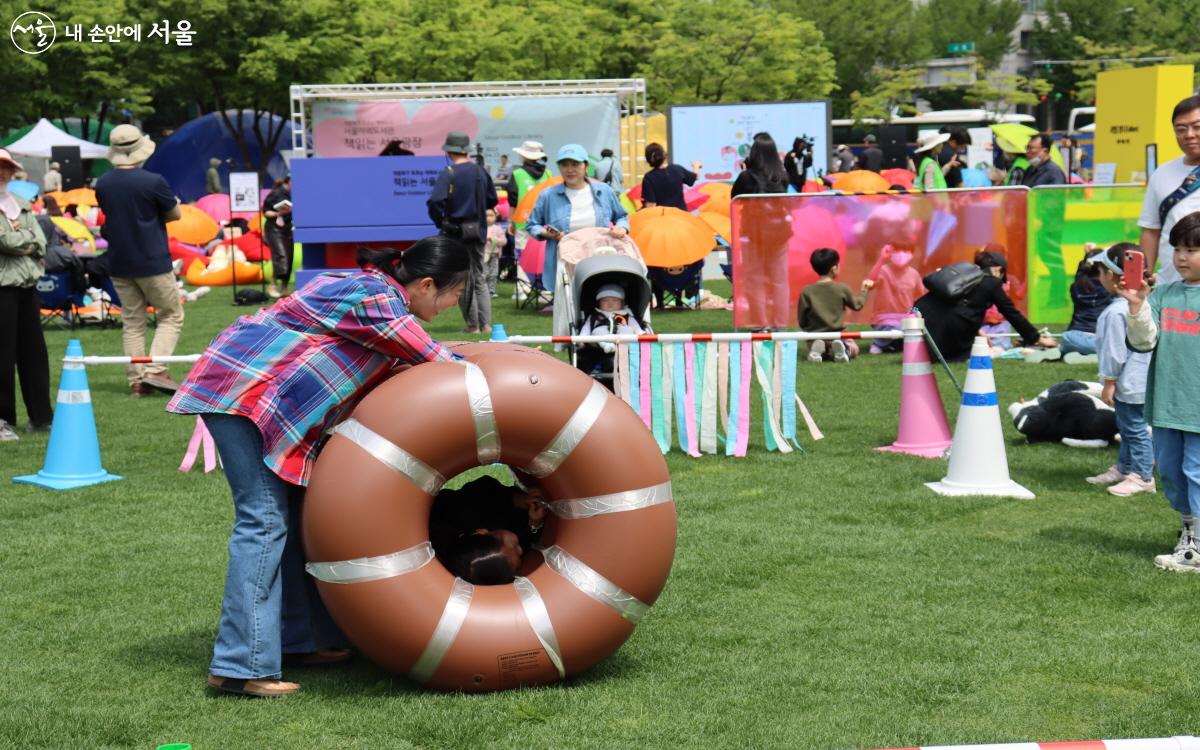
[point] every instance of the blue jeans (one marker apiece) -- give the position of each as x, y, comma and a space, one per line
270, 606
1137, 451
1077, 341
1178, 456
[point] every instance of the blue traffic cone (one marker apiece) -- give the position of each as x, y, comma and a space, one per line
498, 333
73, 456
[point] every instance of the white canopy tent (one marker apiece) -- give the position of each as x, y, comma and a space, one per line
37, 142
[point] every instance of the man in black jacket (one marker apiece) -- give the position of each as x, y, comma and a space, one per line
458, 207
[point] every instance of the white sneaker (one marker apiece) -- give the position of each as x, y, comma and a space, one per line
816, 351
1110, 476
1184, 559
1075, 358
838, 348
7, 433
1131, 485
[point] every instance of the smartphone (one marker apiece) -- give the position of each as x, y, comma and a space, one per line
1135, 269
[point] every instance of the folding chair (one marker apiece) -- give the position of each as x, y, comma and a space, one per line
681, 283
59, 303
531, 292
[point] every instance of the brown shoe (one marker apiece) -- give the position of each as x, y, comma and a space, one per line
319, 658
160, 381
265, 688
138, 390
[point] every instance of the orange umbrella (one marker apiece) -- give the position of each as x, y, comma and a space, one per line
860, 181
78, 196
719, 222
525, 206
719, 195
669, 237
194, 227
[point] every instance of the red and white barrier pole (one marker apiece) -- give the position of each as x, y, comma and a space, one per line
189, 358
672, 338
1160, 743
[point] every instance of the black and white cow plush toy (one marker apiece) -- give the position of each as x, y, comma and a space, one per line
1071, 412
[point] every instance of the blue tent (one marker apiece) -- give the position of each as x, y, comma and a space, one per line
183, 157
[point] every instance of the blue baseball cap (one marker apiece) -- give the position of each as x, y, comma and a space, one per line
572, 152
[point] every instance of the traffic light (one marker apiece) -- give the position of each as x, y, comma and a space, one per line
1042, 98
1057, 95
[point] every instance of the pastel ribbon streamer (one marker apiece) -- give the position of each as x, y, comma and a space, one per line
621, 372
693, 438
668, 382
777, 379
201, 438
788, 352
635, 378
656, 397
645, 401
764, 362
698, 353
735, 376
763, 356
708, 410
723, 386
679, 359
745, 360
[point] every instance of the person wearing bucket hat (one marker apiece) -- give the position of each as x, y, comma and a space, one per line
137, 205
930, 175
531, 171
458, 206
22, 345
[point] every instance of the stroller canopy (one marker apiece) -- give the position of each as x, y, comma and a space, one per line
598, 270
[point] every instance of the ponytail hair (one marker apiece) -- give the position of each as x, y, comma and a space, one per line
441, 258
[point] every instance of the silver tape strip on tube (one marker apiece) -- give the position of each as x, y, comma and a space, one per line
571, 434
446, 631
362, 569
539, 620
617, 502
387, 452
593, 584
487, 435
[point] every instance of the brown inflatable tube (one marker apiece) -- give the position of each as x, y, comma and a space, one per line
608, 546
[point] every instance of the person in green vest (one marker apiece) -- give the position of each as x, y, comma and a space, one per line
1017, 167
531, 171
930, 174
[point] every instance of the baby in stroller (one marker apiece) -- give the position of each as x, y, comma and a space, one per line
613, 295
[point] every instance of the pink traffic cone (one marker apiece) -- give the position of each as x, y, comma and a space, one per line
924, 430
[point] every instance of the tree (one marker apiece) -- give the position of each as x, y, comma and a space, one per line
1000, 92
893, 89
246, 55
987, 23
863, 35
732, 50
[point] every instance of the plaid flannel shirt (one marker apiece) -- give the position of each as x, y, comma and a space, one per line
297, 367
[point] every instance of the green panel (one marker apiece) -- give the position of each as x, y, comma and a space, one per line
1061, 220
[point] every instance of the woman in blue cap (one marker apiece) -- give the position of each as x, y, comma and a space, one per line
573, 204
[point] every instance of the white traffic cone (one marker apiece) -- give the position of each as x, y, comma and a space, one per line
978, 462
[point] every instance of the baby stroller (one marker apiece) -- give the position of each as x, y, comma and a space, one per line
590, 275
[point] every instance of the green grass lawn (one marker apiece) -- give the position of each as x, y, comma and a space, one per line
823, 599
